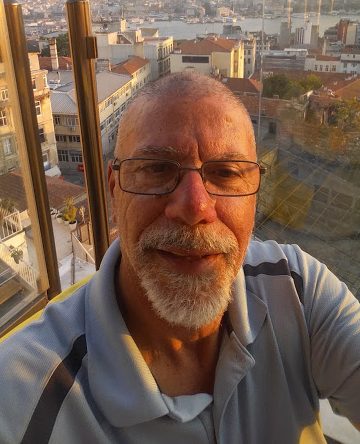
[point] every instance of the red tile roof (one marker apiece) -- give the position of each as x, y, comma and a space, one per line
350, 90
12, 187
269, 107
129, 66
242, 85
351, 50
325, 58
64, 63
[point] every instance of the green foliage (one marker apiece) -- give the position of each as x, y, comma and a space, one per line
45, 52
16, 253
346, 115
285, 88
7, 204
70, 210
311, 82
63, 47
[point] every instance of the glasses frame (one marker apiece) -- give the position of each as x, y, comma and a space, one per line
116, 165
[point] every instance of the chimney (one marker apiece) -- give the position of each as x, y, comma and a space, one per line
103, 65
53, 55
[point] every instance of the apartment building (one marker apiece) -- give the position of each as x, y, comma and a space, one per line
137, 68
118, 46
114, 92
350, 59
348, 62
211, 56
8, 150
231, 31
322, 63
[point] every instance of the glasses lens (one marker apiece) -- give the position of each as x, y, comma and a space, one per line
235, 178
148, 176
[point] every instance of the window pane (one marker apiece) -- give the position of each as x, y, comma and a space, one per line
23, 275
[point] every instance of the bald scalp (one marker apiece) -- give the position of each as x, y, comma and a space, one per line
186, 88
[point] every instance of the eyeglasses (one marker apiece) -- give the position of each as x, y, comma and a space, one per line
158, 176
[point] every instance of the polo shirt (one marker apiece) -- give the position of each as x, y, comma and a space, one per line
293, 335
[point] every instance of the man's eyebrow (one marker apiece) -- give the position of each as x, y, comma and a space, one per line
156, 150
235, 155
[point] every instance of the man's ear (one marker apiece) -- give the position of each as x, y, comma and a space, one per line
111, 179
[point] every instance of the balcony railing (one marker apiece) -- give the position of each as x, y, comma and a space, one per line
10, 223
25, 270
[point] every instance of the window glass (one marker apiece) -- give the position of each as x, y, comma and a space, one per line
23, 273
38, 107
3, 117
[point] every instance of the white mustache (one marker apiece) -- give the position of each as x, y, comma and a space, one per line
186, 238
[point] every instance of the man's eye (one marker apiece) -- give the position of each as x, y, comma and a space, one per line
226, 173
156, 168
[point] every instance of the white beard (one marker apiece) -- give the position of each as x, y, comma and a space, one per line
187, 300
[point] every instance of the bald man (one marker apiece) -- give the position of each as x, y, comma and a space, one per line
189, 332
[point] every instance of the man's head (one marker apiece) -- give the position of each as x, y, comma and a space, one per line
185, 247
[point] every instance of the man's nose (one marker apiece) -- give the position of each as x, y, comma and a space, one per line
190, 203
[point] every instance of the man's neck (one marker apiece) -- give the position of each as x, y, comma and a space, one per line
182, 360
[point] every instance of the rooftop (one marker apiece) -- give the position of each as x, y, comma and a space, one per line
241, 86
269, 107
65, 63
129, 66
206, 46
12, 186
63, 98
323, 58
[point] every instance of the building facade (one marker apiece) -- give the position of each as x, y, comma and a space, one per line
118, 46
210, 56
136, 67
114, 93
8, 151
320, 63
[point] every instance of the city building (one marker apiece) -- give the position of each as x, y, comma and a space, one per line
322, 63
145, 43
136, 67
211, 56
285, 33
242, 87
348, 62
8, 153
231, 31
307, 36
114, 92
288, 59
350, 59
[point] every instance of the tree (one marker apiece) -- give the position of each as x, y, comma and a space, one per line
285, 88
346, 115
279, 85
63, 47
311, 82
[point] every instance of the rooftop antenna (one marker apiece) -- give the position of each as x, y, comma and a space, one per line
305, 12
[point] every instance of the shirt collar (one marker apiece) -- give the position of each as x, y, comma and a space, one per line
247, 312
120, 380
